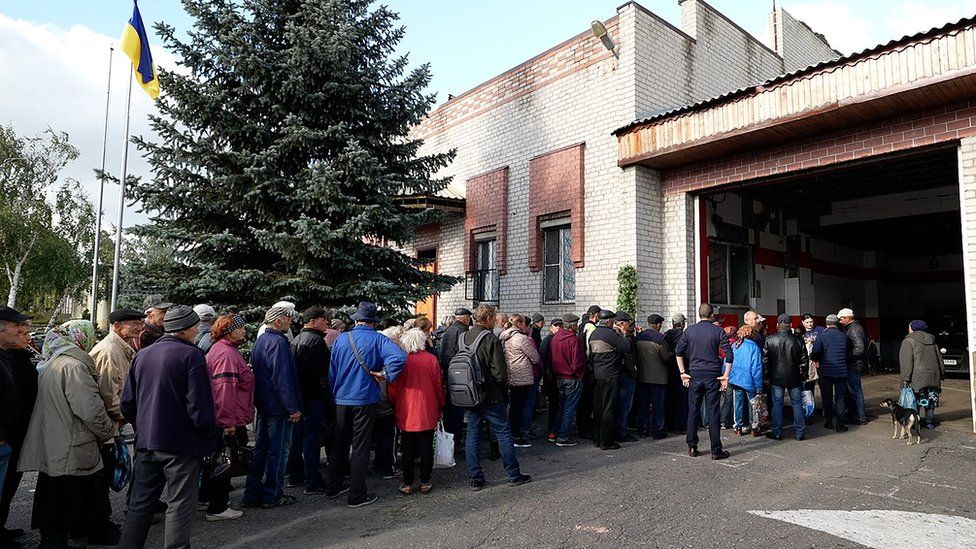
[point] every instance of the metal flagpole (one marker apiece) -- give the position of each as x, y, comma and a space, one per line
101, 196
122, 176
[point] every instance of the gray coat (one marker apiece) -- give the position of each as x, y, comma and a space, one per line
921, 361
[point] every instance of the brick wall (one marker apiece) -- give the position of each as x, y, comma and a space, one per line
487, 211
797, 43
917, 130
967, 200
556, 189
427, 237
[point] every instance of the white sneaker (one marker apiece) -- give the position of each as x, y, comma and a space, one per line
228, 514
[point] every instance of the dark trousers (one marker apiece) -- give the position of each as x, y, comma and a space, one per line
551, 389
833, 391
384, 437
605, 394
103, 507
305, 455
414, 445
707, 390
677, 405
728, 401
651, 405
584, 412
454, 422
10, 482
152, 472
216, 492
353, 429
518, 403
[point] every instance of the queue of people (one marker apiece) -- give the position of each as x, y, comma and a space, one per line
363, 390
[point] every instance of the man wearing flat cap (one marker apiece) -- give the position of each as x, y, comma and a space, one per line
152, 328
454, 416
627, 383
535, 328
169, 400
653, 355
18, 392
113, 359
608, 351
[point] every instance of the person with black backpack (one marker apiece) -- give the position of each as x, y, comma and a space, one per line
476, 381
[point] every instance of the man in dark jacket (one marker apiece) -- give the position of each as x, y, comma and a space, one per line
676, 403
584, 414
312, 362
152, 330
549, 387
169, 401
787, 366
491, 357
453, 416
857, 361
705, 374
627, 382
18, 391
652, 355
831, 350
608, 351
278, 404
535, 328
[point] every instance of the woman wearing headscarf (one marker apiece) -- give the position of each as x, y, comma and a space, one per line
68, 424
233, 391
922, 368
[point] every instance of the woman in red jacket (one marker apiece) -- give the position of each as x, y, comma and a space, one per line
233, 390
418, 397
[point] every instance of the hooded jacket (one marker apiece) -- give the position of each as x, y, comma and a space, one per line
520, 355
921, 361
567, 356
747, 366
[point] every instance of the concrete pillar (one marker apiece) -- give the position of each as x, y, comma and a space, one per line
967, 206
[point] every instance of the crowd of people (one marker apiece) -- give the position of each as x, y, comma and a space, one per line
371, 393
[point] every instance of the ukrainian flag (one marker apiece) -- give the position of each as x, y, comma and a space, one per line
135, 44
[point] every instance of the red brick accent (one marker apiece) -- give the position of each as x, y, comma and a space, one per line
556, 188
906, 132
427, 237
486, 209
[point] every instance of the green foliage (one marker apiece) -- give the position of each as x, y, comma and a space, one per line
282, 144
627, 290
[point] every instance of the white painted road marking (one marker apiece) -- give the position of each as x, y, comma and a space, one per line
884, 529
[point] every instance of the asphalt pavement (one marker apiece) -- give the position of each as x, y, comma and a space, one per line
854, 489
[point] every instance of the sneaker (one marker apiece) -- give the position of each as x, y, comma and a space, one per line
332, 494
389, 475
368, 499
551, 438
228, 514
566, 443
284, 501
519, 480
722, 454
477, 484
312, 490
522, 443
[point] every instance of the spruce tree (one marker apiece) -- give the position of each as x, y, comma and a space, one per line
281, 144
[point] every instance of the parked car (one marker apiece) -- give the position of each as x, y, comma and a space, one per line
950, 334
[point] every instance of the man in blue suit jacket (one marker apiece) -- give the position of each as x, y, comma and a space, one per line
831, 351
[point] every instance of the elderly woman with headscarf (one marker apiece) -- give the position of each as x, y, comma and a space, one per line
922, 368
68, 424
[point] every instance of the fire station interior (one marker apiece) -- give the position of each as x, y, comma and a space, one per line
882, 237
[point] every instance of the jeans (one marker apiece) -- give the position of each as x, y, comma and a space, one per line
605, 393
272, 443
497, 418
743, 408
519, 404
353, 429
651, 405
796, 402
11, 481
625, 400
305, 455
417, 444
152, 472
857, 394
550, 388
704, 390
833, 390
5, 451
570, 391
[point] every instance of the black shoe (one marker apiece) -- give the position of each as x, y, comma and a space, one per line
829, 424
643, 434
294, 483
566, 443
606, 447
477, 485
721, 454
693, 451
800, 438
312, 490
841, 428
334, 493
368, 499
284, 501
13, 533
628, 438
862, 422
519, 480
104, 536
522, 443
774, 437
250, 504
660, 435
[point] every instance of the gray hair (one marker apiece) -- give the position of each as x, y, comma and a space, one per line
413, 340
394, 333
447, 320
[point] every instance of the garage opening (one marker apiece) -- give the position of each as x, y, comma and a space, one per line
882, 237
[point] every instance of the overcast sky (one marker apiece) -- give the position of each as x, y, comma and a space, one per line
54, 53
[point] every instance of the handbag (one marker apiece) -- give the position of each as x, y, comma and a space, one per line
443, 447
760, 413
121, 465
907, 399
230, 460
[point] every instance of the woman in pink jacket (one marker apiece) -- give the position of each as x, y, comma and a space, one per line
233, 391
521, 355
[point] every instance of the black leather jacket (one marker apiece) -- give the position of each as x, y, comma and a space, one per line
787, 363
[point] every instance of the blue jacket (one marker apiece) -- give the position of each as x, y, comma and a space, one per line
699, 345
830, 350
747, 366
351, 385
275, 375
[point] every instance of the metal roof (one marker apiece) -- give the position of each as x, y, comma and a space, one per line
842, 60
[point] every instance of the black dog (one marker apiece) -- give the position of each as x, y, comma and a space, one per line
903, 421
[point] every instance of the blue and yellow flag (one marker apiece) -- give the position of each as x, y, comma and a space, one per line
135, 44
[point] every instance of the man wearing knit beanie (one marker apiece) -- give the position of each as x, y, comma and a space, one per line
169, 401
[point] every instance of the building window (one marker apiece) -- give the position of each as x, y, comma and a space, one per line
483, 281
559, 275
729, 274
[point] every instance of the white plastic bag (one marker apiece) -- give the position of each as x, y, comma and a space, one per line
443, 447
808, 404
